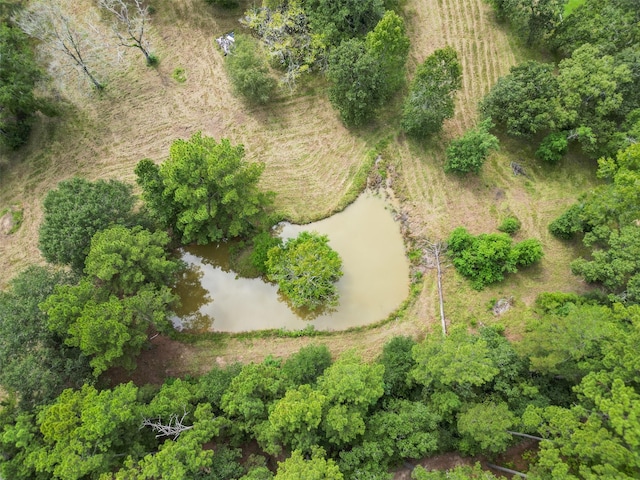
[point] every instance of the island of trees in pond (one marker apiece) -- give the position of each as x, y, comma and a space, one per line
570, 381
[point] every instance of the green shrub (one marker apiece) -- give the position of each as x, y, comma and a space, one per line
179, 75
567, 224
527, 252
469, 152
553, 147
510, 225
248, 71
262, 243
153, 60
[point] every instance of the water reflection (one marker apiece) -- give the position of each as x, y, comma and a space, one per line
375, 281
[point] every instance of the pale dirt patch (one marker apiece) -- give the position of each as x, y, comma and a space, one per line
6, 223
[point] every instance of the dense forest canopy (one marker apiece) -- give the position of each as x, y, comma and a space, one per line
567, 379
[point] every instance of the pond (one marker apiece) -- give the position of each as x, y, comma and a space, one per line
375, 281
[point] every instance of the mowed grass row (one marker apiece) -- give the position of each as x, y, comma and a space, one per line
311, 159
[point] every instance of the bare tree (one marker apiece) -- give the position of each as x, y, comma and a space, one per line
49, 22
433, 253
130, 25
172, 429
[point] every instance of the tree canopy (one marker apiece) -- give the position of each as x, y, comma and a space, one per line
205, 190
306, 269
75, 211
430, 100
468, 153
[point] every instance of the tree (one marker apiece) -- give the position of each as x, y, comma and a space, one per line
535, 21
19, 74
590, 85
206, 191
306, 269
389, 43
125, 259
469, 152
296, 467
307, 364
337, 20
553, 147
130, 25
486, 258
85, 431
431, 95
52, 23
34, 362
75, 211
462, 472
357, 84
109, 330
527, 101
398, 363
248, 71
484, 428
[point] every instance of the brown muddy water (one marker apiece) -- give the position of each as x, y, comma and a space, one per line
375, 281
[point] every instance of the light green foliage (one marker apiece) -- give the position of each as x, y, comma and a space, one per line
449, 368
246, 402
389, 43
175, 397
262, 243
295, 419
34, 363
248, 71
357, 83
608, 214
85, 431
75, 211
19, 74
526, 101
125, 259
469, 152
350, 388
590, 85
553, 147
284, 30
205, 190
485, 259
510, 225
458, 473
337, 20
296, 467
597, 438
484, 426
306, 269
430, 100
403, 430
109, 330
570, 344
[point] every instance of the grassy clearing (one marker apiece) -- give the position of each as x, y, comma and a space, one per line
313, 162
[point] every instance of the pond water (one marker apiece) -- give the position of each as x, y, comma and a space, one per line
375, 281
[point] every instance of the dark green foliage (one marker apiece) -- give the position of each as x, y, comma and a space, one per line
486, 258
431, 95
262, 243
469, 152
225, 465
398, 362
458, 473
567, 224
34, 362
248, 71
526, 101
337, 20
77, 210
224, 3
306, 269
553, 147
357, 83
305, 366
510, 225
215, 382
534, 21
205, 191
19, 75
